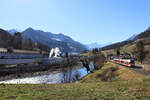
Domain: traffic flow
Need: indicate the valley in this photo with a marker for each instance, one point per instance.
(93, 70)
(74, 50)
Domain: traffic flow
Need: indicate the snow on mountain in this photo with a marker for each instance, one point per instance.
(132, 37)
(93, 45)
(148, 29)
(54, 40)
(97, 45)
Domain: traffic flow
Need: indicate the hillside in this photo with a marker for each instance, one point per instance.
(53, 40)
(144, 36)
(46, 40)
(117, 45)
(5, 38)
(126, 85)
(130, 46)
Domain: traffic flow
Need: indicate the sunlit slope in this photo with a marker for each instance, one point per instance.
(126, 85)
(129, 48)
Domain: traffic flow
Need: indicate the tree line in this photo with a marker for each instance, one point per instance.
(140, 51)
(16, 41)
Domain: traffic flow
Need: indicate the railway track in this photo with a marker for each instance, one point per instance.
(137, 69)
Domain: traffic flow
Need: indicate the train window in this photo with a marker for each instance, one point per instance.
(132, 62)
(126, 62)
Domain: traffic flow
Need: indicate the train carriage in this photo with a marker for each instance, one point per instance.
(125, 62)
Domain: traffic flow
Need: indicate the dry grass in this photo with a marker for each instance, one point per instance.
(127, 85)
(122, 73)
(108, 52)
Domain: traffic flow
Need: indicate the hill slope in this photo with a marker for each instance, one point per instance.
(144, 36)
(5, 38)
(130, 46)
(53, 40)
(127, 85)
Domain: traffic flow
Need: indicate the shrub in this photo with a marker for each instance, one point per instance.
(140, 51)
(108, 74)
(99, 61)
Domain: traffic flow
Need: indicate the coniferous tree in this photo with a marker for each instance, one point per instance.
(118, 51)
(140, 55)
(17, 40)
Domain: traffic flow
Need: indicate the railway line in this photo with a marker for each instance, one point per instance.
(137, 68)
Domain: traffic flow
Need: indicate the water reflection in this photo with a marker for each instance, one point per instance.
(72, 75)
(66, 75)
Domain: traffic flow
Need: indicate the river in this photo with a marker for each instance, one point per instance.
(67, 75)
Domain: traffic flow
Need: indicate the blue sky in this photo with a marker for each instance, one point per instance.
(85, 21)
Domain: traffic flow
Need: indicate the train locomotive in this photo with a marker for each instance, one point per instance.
(125, 62)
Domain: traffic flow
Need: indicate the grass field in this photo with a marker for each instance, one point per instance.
(112, 82)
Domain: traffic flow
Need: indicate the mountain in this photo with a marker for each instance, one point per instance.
(5, 38)
(13, 31)
(132, 37)
(148, 29)
(143, 36)
(53, 40)
(4, 34)
(93, 45)
(129, 46)
(120, 44)
(116, 45)
(96, 45)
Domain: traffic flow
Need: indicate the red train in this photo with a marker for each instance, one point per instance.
(125, 62)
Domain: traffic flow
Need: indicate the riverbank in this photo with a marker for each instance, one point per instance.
(19, 71)
(24, 70)
(112, 82)
(19, 75)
